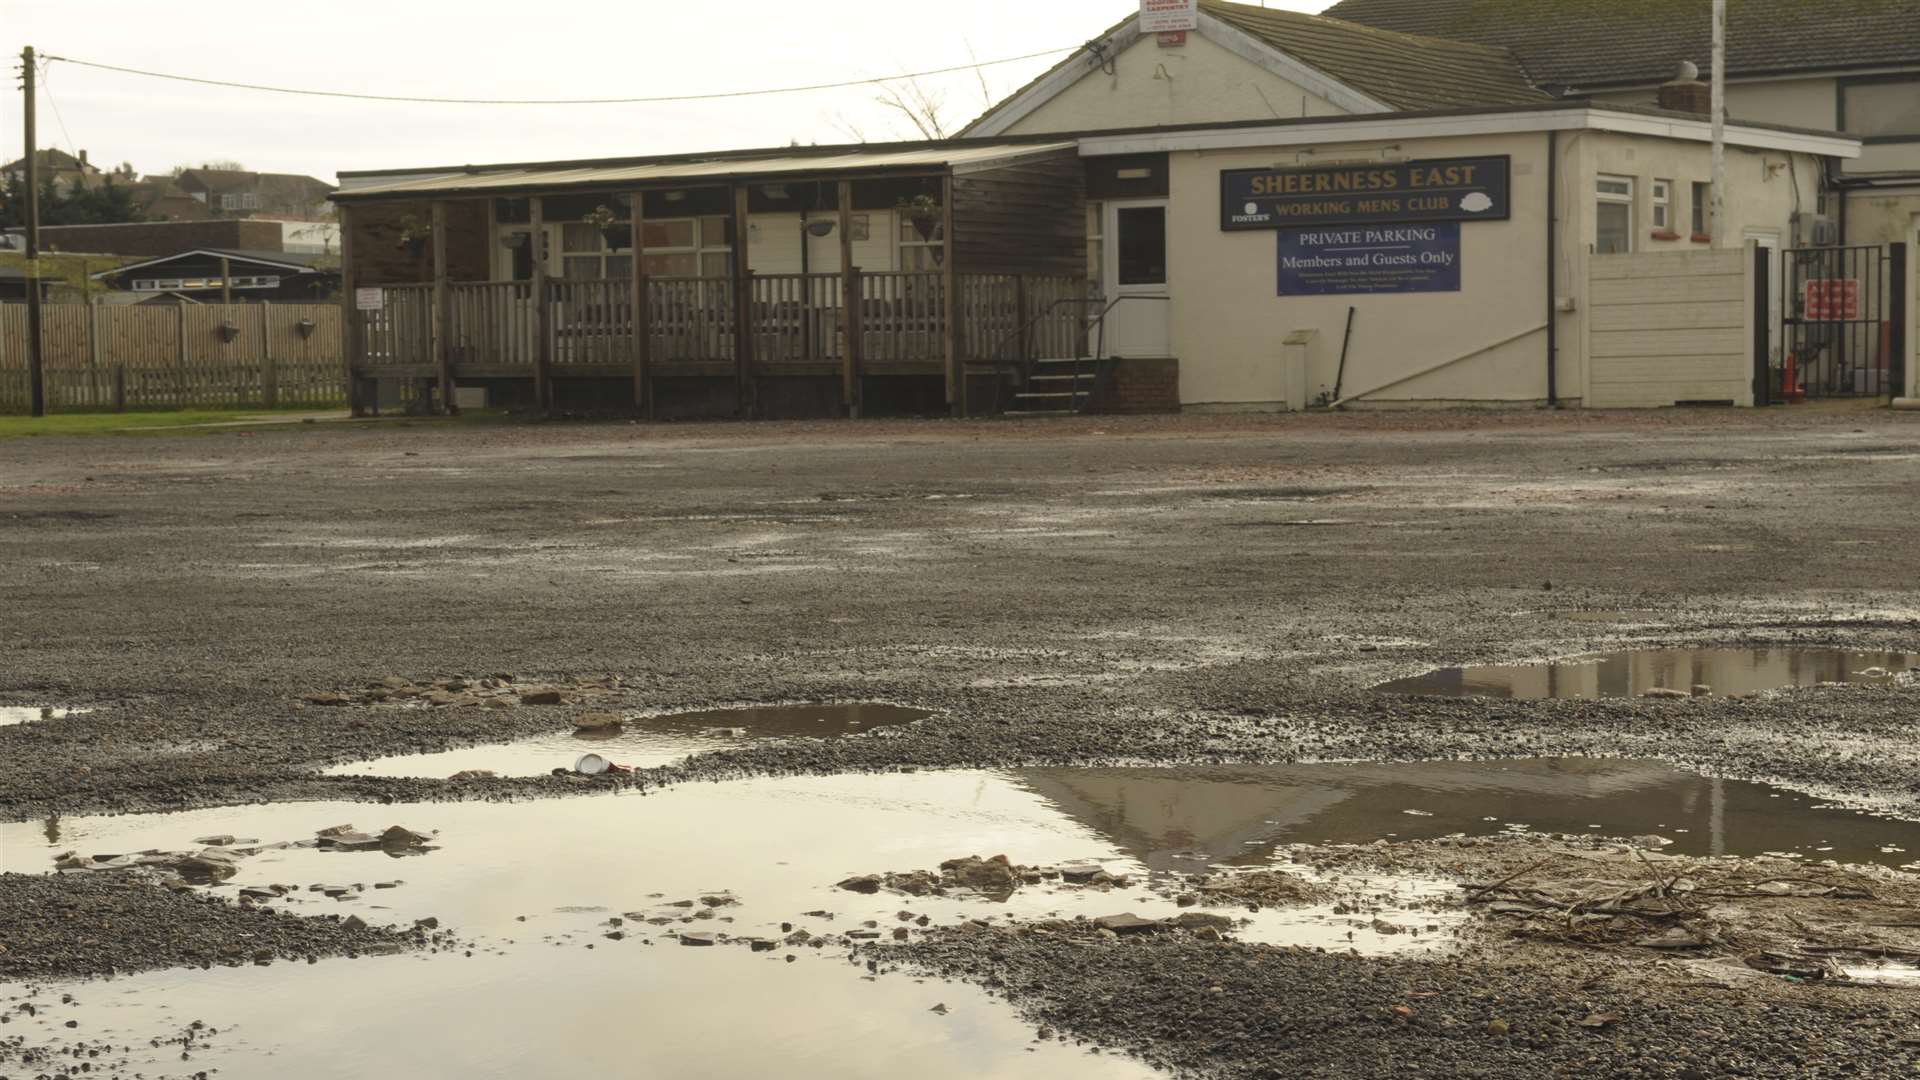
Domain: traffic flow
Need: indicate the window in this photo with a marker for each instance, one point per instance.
(1663, 205)
(1881, 109)
(1143, 244)
(688, 247)
(1096, 246)
(229, 202)
(1613, 215)
(1702, 211)
(918, 250)
(249, 201)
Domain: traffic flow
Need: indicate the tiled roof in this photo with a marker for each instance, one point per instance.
(1584, 43)
(1403, 71)
(1406, 71)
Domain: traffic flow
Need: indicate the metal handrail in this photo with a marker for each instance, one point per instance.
(1098, 323)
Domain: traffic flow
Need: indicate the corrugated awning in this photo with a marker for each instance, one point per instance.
(512, 179)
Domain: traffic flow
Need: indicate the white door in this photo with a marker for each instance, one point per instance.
(1136, 279)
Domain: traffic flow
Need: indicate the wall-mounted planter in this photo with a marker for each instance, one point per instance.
(228, 331)
(304, 328)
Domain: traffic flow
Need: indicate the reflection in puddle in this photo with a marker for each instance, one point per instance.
(534, 886)
(1634, 673)
(644, 742)
(1184, 818)
(22, 714)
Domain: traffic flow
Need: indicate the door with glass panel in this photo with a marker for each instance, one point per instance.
(1135, 280)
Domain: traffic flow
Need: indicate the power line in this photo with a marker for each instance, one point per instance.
(562, 101)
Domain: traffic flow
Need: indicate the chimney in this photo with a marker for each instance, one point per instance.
(83, 159)
(1686, 93)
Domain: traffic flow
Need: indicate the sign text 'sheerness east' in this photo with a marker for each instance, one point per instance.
(1453, 189)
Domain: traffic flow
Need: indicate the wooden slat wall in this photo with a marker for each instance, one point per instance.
(1027, 217)
(690, 319)
(140, 363)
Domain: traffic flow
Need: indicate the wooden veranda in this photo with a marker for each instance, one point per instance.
(1001, 281)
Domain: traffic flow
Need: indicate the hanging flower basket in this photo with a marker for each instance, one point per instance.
(618, 234)
(414, 234)
(924, 212)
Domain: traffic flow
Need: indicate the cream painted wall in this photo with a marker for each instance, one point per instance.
(1228, 322)
(773, 244)
(1881, 217)
(1807, 103)
(1198, 81)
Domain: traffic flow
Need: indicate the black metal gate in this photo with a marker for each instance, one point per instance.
(1844, 321)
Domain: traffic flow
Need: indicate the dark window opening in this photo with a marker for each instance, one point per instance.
(1142, 244)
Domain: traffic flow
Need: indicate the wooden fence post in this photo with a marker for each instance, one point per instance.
(642, 325)
(120, 387)
(349, 323)
(269, 369)
(542, 312)
(742, 306)
(849, 306)
(442, 321)
(956, 390)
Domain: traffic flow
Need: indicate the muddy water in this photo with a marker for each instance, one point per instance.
(1633, 673)
(25, 714)
(1239, 815)
(547, 993)
(644, 742)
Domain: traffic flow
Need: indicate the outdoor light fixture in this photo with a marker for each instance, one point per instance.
(675, 196)
(774, 191)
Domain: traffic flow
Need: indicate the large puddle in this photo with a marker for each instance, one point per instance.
(534, 885)
(1636, 673)
(26, 714)
(643, 742)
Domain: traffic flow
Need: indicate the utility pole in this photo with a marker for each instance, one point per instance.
(36, 387)
(1719, 106)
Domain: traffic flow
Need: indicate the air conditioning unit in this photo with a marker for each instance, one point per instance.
(1815, 230)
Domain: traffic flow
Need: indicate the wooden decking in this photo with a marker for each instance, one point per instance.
(789, 325)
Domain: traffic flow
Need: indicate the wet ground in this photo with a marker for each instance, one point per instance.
(1079, 607)
(572, 912)
(1690, 672)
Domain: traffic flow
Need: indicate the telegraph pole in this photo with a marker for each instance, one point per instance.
(36, 387)
(1719, 106)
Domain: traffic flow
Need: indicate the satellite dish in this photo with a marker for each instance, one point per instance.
(1688, 72)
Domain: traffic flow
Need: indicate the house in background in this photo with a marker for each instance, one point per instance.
(219, 275)
(67, 171)
(1851, 67)
(14, 285)
(239, 193)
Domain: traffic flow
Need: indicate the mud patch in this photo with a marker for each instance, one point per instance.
(644, 741)
(1725, 672)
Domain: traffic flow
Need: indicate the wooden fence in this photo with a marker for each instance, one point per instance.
(176, 356)
(795, 321)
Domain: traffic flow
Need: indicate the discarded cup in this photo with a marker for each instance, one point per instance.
(594, 765)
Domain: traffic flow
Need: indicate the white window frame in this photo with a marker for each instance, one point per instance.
(249, 201)
(1663, 205)
(702, 245)
(902, 228)
(1601, 197)
(229, 201)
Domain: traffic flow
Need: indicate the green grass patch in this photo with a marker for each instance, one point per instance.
(144, 423)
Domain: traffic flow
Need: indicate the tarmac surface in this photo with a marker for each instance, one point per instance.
(1085, 591)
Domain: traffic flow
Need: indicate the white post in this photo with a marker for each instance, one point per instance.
(1716, 221)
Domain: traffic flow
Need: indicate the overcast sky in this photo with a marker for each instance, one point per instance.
(495, 49)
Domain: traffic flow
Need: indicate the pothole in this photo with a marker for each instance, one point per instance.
(581, 912)
(27, 714)
(1660, 673)
(643, 742)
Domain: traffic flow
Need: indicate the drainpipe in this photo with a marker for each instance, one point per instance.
(1553, 260)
